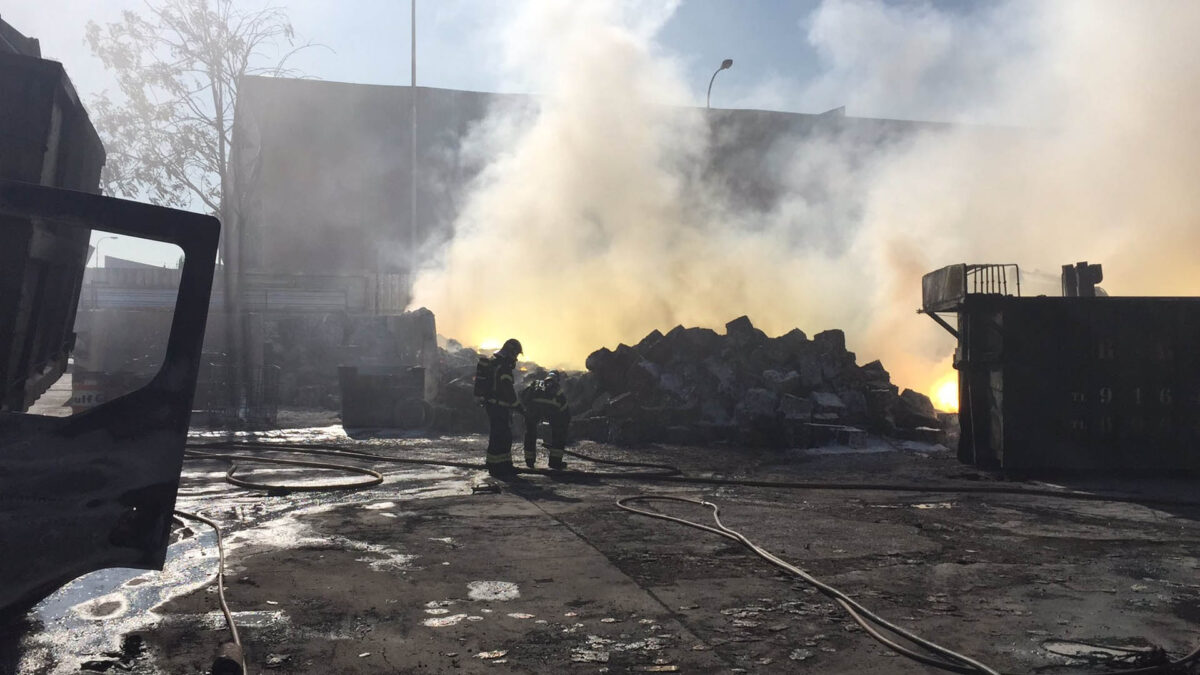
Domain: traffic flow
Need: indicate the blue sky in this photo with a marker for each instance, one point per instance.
(368, 40)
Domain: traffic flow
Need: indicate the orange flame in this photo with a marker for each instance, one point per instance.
(945, 393)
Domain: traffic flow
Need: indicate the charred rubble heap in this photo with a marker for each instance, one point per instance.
(696, 386)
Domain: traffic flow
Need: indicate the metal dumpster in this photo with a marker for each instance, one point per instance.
(1074, 383)
(45, 139)
(384, 396)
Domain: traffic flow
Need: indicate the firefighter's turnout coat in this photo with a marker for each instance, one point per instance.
(544, 400)
(494, 381)
(494, 389)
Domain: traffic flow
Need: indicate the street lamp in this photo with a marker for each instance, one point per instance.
(96, 247)
(727, 63)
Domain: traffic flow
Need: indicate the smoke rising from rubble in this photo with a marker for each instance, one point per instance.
(1075, 138)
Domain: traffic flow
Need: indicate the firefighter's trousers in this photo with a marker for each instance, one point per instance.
(499, 450)
(559, 421)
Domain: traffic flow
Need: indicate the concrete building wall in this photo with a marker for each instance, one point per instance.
(322, 170)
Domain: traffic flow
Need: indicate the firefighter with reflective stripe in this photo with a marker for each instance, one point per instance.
(494, 389)
(544, 400)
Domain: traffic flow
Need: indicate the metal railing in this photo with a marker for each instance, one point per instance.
(992, 279)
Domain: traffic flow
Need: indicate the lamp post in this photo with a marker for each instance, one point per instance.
(726, 64)
(96, 248)
(412, 223)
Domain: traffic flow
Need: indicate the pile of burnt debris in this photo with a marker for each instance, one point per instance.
(696, 386)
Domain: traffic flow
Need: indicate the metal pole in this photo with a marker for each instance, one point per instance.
(412, 229)
(96, 250)
(727, 63)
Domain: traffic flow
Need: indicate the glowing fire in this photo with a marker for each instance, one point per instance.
(945, 393)
(489, 345)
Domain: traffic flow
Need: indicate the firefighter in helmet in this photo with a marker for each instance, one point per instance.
(494, 389)
(544, 400)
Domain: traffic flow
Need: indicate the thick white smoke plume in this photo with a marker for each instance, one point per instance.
(1075, 137)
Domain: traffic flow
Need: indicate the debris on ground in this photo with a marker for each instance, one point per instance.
(697, 386)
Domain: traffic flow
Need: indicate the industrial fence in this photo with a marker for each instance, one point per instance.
(222, 400)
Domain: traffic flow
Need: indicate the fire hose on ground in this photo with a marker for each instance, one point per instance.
(889, 634)
(231, 659)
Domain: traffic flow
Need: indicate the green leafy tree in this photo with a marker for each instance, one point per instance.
(178, 65)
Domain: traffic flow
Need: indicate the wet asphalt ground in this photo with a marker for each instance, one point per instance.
(425, 574)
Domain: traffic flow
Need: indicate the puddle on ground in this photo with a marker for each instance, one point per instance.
(519, 615)
(333, 432)
(292, 478)
(444, 621)
(1088, 652)
(108, 606)
(254, 618)
(89, 615)
(589, 656)
(392, 561)
(493, 590)
(430, 472)
(288, 532)
(598, 649)
(448, 489)
(650, 644)
(933, 505)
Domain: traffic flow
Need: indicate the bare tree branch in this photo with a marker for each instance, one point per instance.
(178, 64)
